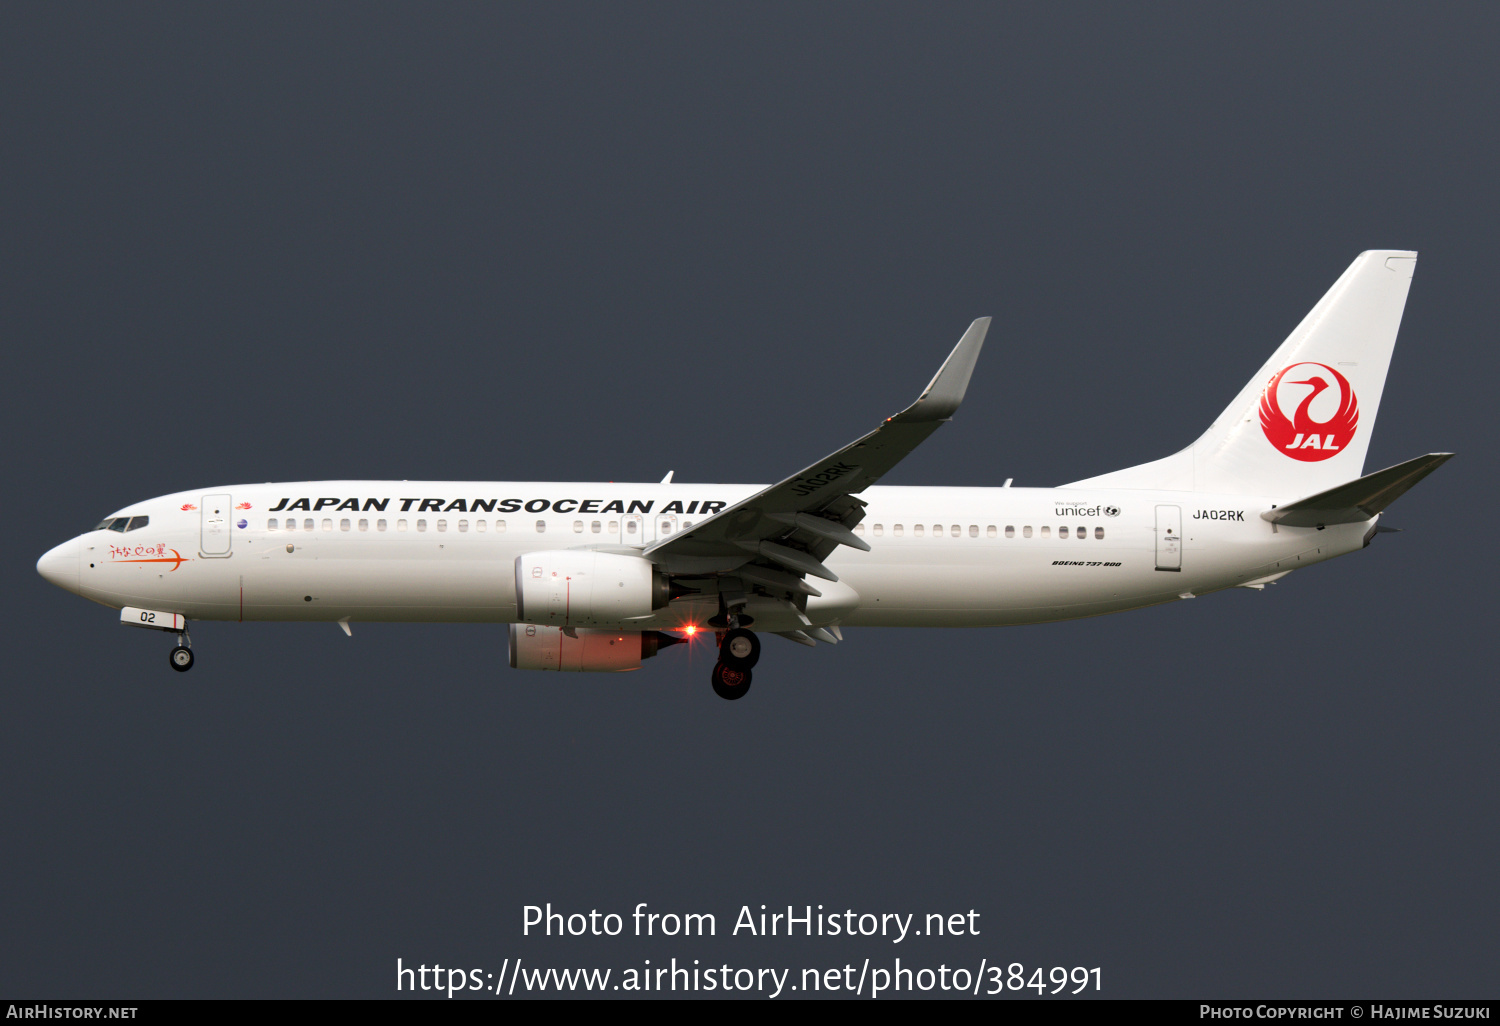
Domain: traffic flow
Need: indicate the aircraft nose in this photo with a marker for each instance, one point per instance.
(60, 565)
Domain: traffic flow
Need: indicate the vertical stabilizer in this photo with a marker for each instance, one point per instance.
(1303, 423)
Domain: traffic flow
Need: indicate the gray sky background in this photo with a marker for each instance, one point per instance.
(249, 242)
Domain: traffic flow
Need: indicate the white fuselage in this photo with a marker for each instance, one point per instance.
(445, 551)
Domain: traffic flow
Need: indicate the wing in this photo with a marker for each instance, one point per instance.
(781, 533)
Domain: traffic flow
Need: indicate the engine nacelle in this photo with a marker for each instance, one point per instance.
(572, 587)
(548, 648)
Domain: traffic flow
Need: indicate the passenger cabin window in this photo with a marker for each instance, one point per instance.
(990, 531)
(364, 525)
(1046, 532)
(1062, 532)
(421, 525)
(463, 525)
(1026, 531)
(442, 525)
(271, 524)
(1081, 532)
(1010, 530)
(344, 524)
(630, 527)
(479, 526)
(595, 527)
(307, 525)
(879, 530)
(380, 525)
(541, 527)
(1099, 533)
(916, 529)
(937, 530)
(614, 527)
(896, 530)
(327, 524)
(956, 530)
(499, 526)
(859, 528)
(974, 530)
(401, 525)
(578, 527)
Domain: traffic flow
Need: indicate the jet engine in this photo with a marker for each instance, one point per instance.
(578, 586)
(584, 649)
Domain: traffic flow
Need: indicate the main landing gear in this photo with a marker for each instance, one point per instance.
(730, 684)
(181, 657)
(739, 650)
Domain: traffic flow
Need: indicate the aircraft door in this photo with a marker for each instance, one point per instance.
(1169, 538)
(216, 515)
(632, 530)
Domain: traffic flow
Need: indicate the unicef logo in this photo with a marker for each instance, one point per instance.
(1111, 511)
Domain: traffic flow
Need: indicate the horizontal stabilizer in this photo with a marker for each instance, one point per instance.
(1359, 500)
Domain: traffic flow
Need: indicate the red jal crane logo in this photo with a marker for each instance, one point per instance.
(1299, 436)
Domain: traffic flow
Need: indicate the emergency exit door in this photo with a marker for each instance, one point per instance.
(1169, 538)
(215, 514)
(632, 529)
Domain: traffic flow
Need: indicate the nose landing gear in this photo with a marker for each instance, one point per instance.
(181, 657)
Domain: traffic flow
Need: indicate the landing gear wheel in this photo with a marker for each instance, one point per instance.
(181, 658)
(740, 649)
(730, 684)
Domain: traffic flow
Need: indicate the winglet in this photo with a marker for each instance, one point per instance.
(943, 394)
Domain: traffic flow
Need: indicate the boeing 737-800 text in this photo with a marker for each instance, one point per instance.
(601, 576)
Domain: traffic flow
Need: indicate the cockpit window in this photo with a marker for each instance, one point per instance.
(122, 524)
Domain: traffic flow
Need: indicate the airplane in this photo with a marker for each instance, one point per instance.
(600, 577)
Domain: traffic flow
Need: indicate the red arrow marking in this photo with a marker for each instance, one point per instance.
(176, 558)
